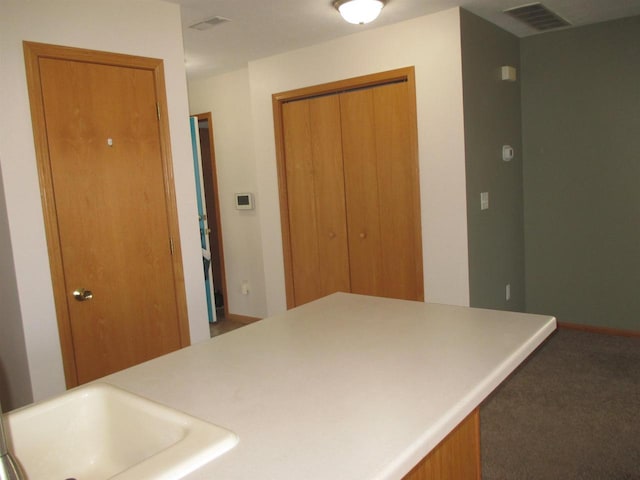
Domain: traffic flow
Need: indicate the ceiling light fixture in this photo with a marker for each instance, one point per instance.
(359, 11)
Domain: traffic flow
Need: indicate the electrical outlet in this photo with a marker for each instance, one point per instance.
(507, 292)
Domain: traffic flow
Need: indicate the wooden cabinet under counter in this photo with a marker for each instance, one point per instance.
(457, 457)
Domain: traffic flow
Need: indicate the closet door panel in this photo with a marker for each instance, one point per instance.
(326, 147)
(300, 196)
(315, 195)
(398, 188)
(362, 197)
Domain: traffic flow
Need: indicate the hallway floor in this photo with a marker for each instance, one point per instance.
(223, 325)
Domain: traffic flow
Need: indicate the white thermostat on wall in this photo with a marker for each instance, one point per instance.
(244, 201)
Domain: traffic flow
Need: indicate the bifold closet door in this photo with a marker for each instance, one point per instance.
(316, 198)
(382, 191)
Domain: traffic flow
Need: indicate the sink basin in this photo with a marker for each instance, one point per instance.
(99, 431)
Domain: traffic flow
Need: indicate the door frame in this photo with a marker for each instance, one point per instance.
(406, 74)
(33, 52)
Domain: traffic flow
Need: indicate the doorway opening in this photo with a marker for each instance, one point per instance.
(212, 203)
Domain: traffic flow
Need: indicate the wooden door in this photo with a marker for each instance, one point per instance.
(315, 189)
(381, 177)
(107, 181)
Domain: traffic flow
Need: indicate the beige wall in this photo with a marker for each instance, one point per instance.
(432, 45)
(132, 27)
(227, 98)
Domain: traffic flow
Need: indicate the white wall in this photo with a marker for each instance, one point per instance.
(131, 27)
(431, 44)
(15, 381)
(227, 98)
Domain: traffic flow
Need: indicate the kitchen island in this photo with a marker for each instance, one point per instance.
(347, 387)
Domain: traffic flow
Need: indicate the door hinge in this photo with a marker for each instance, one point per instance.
(158, 110)
(171, 247)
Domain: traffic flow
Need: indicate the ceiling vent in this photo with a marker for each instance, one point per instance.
(537, 16)
(210, 23)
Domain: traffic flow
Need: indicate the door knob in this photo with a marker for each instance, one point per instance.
(82, 295)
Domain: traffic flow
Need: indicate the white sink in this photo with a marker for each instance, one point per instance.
(102, 432)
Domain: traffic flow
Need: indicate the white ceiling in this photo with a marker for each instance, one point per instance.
(260, 28)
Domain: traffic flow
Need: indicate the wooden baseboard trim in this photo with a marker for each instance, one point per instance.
(602, 330)
(242, 318)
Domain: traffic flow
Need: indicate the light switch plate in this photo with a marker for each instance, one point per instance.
(484, 200)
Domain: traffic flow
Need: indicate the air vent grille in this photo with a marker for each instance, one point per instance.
(210, 23)
(537, 16)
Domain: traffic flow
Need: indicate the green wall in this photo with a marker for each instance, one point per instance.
(491, 119)
(581, 133)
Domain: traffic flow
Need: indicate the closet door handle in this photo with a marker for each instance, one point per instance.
(82, 295)
(332, 235)
(363, 235)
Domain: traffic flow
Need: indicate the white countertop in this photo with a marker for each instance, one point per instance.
(346, 387)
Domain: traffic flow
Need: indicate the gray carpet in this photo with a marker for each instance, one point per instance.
(572, 411)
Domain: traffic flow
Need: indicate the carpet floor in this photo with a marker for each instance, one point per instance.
(572, 411)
